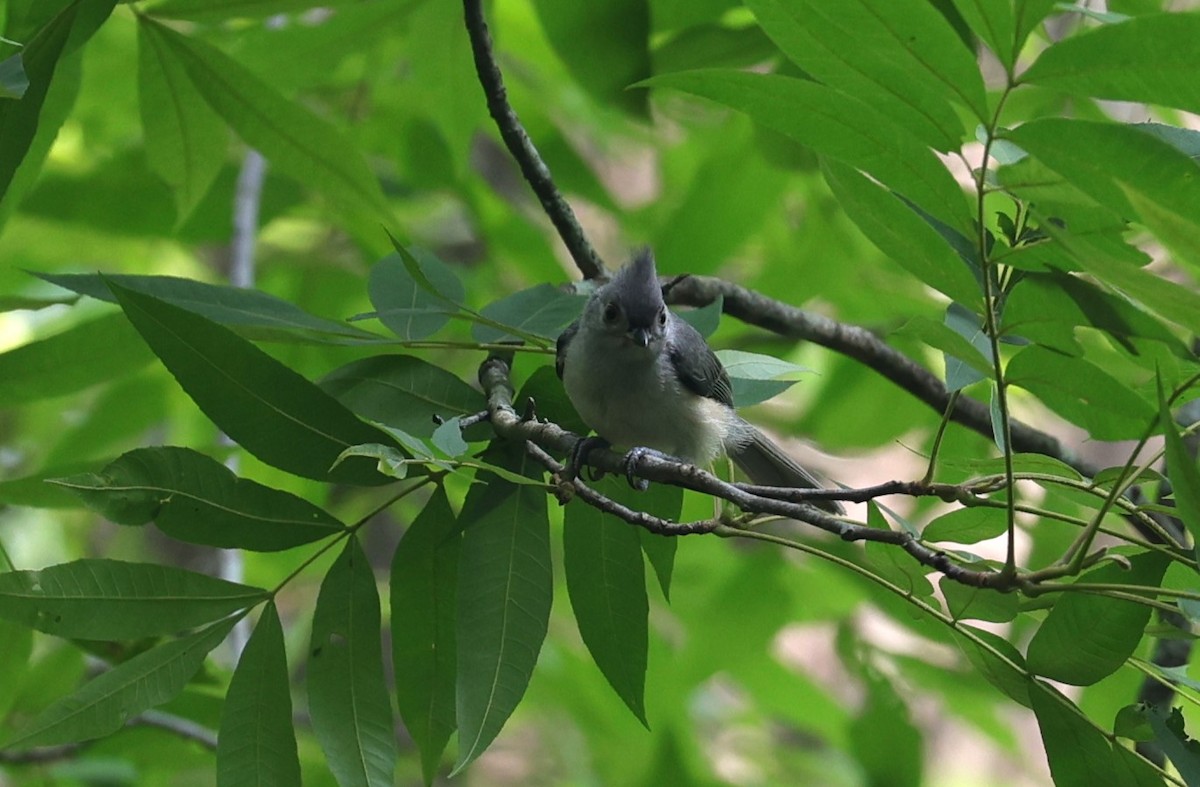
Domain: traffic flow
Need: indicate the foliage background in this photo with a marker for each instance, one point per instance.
(763, 667)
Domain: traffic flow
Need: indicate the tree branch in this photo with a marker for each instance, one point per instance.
(517, 140)
(494, 377)
(860, 344)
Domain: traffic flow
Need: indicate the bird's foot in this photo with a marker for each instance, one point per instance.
(579, 455)
(634, 458)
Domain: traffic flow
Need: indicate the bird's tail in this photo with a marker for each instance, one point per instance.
(766, 464)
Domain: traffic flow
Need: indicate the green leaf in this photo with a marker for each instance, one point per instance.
(757, 378)
(1184, 752)
(1181, 468)
(347, 695)
(186, 142)
(992, 21)
(967, 525)
(1086, 637)
(885, 717)
(504, 589)
(965, 360)
(1079, 754)
(900, 56)
(114, 600)
(106, 703)
(604, 65)
(606, 581)
(195, 498)
(543, 310)
(296, 141)
(89, 353)
(704, 319)
(424, 578)
(253, 313)
(225, 10)
(1109, 162)
(33, 490)
(1081, 392)
(997, 661)
(1150, 59)
(837, 126)
(892, 563)
(414, 308)
(901, 233)
(19, 120)
(270, 410)
(968, 603)
(257, 743)
(402, 391)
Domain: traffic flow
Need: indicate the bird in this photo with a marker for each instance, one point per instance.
(645, 380)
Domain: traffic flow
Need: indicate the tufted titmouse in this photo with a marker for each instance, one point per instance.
(643, 378)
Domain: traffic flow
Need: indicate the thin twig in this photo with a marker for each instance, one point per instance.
(533, 168)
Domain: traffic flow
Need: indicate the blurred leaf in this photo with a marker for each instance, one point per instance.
(14, 663)
(704, 319)
(107, 702)
(10, 303)
(1086, 637)
(543, 310)
(186, 142)
(13, 79)
(606, 581)
(114, 600)
(424, 576)
(504, 588)
(254, 313)
(733, 191)
(257, 743)
(901, 57)
(270, 410)
(298, 142)
(89, 353)
(968, 603)
(885, 717)
(1079, 754)
(195, 498)
(347, 695)
(1180, 468)
(838, 126)
(1146, 59)
(710, 46)
(900, 232)
(1081, 392)
(19, 120)
(409, 307)
(967, 525)
(402, 391)
(604, 65)
(223, 10)
(1185, 140)
(34, 491)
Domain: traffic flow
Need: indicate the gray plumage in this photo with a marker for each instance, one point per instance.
(642, 377)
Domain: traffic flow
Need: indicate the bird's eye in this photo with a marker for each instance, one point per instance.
(611, 312)
(662, 317)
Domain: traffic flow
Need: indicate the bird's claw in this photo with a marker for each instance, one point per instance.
(632, 459)
(579, 455)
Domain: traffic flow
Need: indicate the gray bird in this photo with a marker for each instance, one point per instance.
(643, 378)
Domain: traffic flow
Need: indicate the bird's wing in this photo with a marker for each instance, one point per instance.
(695, 364)
(560, 348)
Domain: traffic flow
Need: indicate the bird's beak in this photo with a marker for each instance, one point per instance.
(640, 336)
